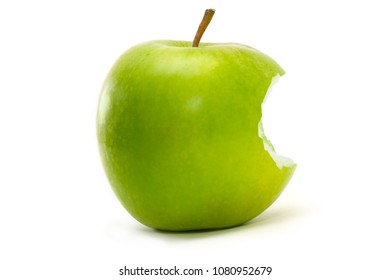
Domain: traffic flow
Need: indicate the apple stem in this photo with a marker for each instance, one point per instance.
(208, 15)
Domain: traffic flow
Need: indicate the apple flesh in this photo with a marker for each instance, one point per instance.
(178, 132)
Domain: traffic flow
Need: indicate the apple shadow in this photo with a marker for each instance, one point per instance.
(271, 217)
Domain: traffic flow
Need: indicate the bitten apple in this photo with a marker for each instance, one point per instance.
(180, 135)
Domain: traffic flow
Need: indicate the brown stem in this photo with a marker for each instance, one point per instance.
(208, 15)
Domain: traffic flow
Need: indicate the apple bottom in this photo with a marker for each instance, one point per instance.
(197, 194)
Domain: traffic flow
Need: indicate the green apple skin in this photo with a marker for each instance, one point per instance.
(178, 134)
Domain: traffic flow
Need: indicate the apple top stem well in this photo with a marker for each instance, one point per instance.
(208, 15)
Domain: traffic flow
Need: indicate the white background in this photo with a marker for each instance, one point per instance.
(59, 217)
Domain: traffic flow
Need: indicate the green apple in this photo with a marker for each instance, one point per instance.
(180, 135)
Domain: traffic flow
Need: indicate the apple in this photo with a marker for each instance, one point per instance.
(180, 134)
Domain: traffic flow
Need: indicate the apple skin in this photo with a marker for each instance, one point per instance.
(178, 135)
